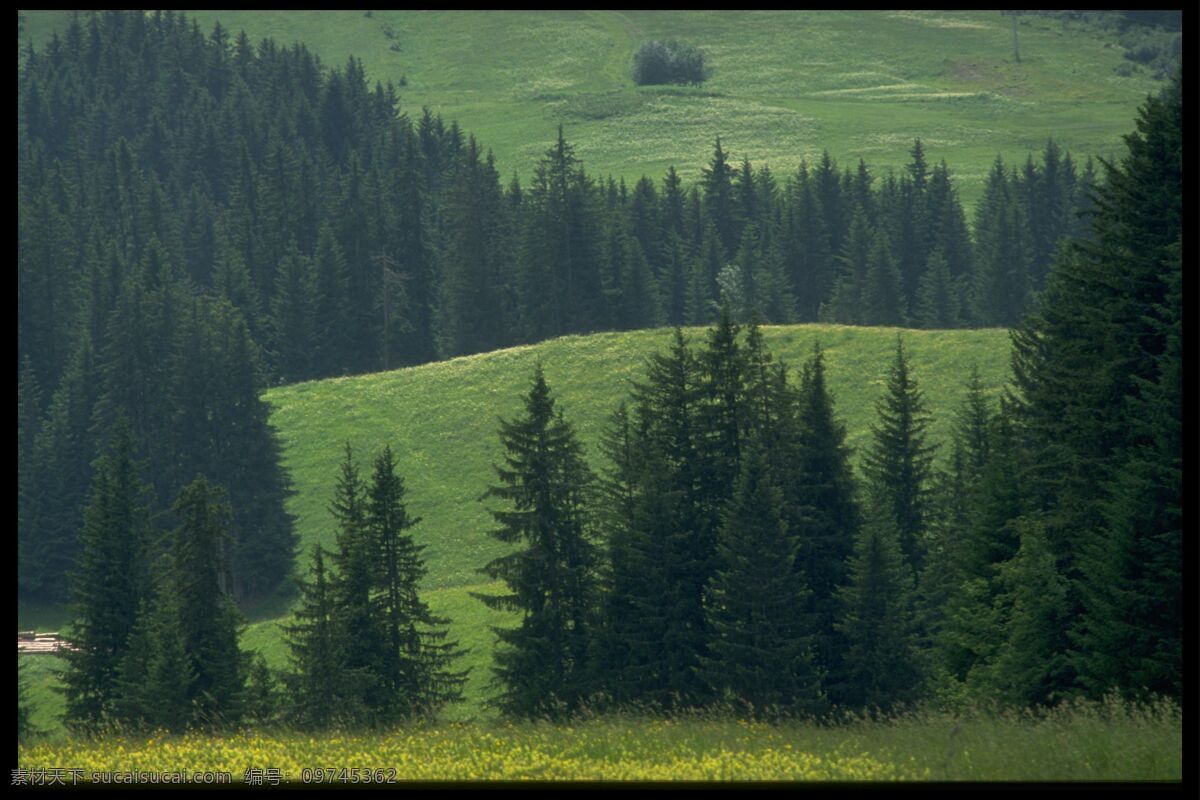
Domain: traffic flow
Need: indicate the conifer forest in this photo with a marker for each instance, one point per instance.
(894, 492)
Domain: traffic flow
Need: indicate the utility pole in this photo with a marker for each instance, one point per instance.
(1016, 48)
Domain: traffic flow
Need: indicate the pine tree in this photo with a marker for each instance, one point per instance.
(1001, 253)
(879, 669)
(717, 182)
(761, 649)
(356, 620)
(937, 295)
(416, 659)
(208, 621)
(882, 299)
(60, 474)
(822, 488)
(808, 260)
(954, 586)
(156, 677)
(108, 585)
(846, 301)
(899, 462)
(1031, 666)
(707, 264)
(332, 313)
(317, 653)
(541, 666)
(1101, 350)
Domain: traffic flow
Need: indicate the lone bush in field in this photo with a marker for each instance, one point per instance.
(668, 62)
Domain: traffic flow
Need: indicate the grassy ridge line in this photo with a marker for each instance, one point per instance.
(441, 419)
(785, 84)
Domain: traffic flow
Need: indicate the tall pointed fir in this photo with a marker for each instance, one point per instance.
(882, 296)
(416, 658)
(355, 617)
(1002, 253)
(315, 682)
(957, 571)
(666, 539)
(108, 585)
(880, 667)
(1032, 665)
(899, 462)
(760, 648)
(845, 303)
(541, 665)
(719, 204)
(208, 621)
(1102, 349)
(156, 677)
(937, 295)
(824, 492)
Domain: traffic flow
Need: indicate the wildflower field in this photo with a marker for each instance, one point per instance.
(1085, 742)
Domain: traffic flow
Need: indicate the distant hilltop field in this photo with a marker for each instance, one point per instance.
(782, 86)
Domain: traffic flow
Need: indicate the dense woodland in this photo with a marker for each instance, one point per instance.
(199, 216)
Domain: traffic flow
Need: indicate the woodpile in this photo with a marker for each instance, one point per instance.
(33, 643)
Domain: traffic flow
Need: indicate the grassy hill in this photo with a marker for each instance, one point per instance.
(441, 421)
(784, 85)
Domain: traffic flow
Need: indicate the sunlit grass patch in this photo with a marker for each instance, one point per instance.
(511, 77)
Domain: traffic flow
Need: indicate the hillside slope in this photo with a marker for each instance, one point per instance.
(441, 421)
(784, 84)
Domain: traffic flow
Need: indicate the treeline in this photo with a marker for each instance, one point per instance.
(353, 238)
(730, 558)
(155, 633)
(199, 215)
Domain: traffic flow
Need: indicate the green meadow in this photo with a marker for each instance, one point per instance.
(441, 421)
(784, 86)
(1108, 741)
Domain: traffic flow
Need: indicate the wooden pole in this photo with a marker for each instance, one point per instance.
(1016, 48)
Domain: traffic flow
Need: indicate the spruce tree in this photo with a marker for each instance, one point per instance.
(880, 667)
(1102, 350)
(719, 203)
(1032, 664)
(937, 295)
(1002, 253)
(415, 656)
(208, 621)
(356, 620)
(845, 304)
(316, 681)
(108, 585)
(882, 293)
(898, 464)
(541, 665)
(823, 491)
(156, 678)
(761, 650)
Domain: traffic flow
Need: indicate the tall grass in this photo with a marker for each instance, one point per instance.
(1107, 741)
